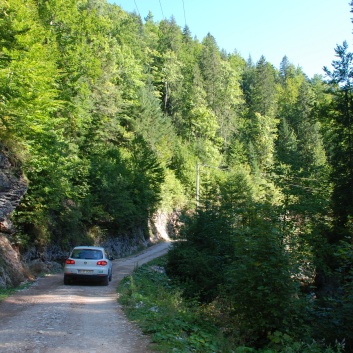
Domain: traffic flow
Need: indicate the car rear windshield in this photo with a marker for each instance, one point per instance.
(87, 254)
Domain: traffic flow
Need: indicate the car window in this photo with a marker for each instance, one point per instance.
(87, 254)
(76, 254)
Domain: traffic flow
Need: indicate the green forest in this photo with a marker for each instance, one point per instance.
(112, 118)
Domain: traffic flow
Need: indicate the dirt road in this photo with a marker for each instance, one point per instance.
(50, 317)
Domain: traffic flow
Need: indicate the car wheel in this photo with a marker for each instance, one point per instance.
(111, 275)
(66, 280)
(105, 281)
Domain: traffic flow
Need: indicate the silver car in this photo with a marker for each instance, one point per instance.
(88, 263)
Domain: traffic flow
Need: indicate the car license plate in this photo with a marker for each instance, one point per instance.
(85, 271)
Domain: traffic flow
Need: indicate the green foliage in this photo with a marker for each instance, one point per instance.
(6, 292)
(200, 261)
(341, 129)
(155, 127)
(264, 89)
(236, 255)
(260, 285)
(126, 185)
(332, 312)
(244, 267)
(172, 193)
(281, 342)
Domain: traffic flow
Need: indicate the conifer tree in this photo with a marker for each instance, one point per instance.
(342, 138)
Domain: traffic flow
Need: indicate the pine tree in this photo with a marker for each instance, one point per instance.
(342, 138)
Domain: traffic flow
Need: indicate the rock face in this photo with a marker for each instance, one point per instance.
(12, 188)
(12, 271)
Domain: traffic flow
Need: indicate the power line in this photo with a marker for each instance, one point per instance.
(184, 13)
(161, 8)
(137, 8)
(160, 4)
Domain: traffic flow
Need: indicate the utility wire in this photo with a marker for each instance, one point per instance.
(184, 13)
(161, 8)
(137, 8)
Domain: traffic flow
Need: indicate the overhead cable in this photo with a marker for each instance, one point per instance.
(137, 8)
(184, 13)
(161, 8)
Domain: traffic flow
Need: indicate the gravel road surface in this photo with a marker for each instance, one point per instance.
(50, 317)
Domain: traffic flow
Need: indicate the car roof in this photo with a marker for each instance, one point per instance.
(89, 247)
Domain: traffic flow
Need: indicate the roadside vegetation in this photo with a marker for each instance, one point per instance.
(158, 306)
(6, 292)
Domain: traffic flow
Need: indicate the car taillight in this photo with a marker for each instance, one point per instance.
(102, 263)
(70, 262)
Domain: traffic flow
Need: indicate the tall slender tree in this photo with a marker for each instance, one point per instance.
(341, 80)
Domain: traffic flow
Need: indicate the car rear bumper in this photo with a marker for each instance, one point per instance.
(85, 277)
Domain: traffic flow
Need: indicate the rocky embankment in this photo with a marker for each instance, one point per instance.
(12, 188)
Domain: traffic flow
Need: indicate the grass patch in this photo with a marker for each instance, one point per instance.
(6, 292)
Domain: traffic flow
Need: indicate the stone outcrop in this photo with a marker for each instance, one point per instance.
(12, 188)
(12, 271)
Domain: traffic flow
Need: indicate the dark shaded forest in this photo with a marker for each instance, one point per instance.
(112, 118)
